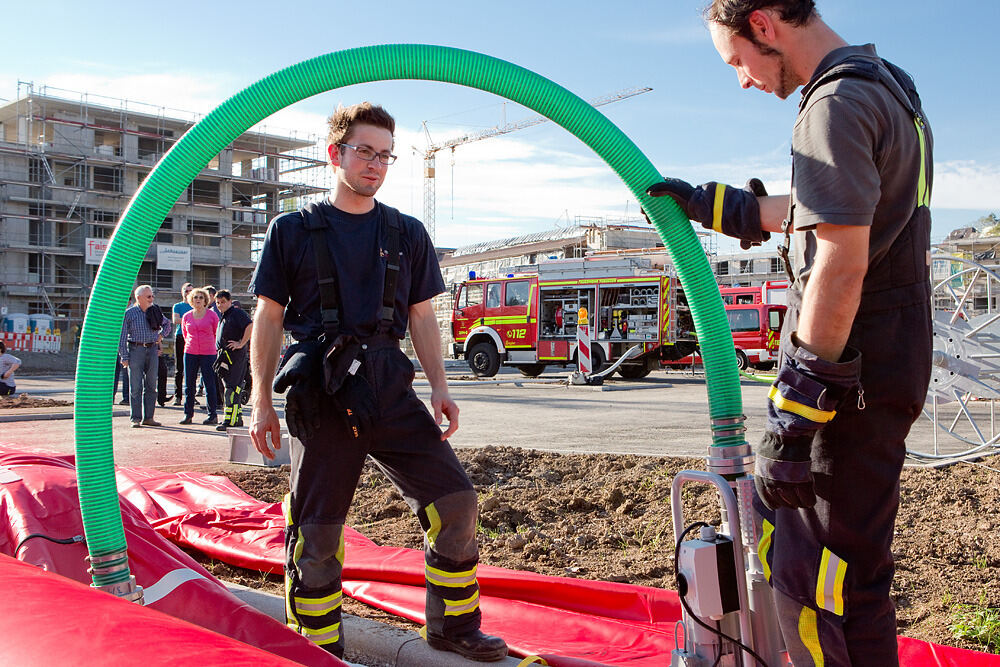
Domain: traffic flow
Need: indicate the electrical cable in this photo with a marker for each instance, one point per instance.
(69, 540)
(682, 594)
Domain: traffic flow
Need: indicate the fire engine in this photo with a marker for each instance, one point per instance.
(756, 329)
(529, 320)
(773, 291)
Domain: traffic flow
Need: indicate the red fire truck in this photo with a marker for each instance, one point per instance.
(773, 291)
(756, 329)
(529, 320)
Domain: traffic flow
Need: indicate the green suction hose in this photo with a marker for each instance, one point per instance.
(178, 168)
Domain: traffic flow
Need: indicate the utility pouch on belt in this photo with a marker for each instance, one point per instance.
(300, 365)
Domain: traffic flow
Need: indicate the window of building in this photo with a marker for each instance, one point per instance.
(205, 275)
(722, 269)
(517, 293)
(36, 170)
(205, 192)
(206, 233)
(150, 275)
(746, 266)
(776, 266)
(108, 179)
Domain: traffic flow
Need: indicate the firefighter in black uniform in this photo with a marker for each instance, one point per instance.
(232, 339)
(856, 346)
(346, 277)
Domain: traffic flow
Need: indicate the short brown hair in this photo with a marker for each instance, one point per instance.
(735, 14)
(342, 121)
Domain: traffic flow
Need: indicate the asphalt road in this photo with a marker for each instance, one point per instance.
(663, 414)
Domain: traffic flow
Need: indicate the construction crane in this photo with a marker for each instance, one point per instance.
(506, 128)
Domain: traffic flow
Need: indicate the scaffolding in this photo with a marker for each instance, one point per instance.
(69, 164)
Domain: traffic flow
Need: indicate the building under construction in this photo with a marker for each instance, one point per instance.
(69, 164)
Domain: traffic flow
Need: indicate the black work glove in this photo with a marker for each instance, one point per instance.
(301, 369)
(737, 215)
(804, 397)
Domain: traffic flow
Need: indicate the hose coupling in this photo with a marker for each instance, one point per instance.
(734, 458)
(114, 566)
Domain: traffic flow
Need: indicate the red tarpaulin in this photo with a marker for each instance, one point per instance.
(570, 622)
(38, 495)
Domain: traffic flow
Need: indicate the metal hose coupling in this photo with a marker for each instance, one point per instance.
(114, 567)
(732, 459)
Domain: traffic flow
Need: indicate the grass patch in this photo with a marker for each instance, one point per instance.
(977, 624)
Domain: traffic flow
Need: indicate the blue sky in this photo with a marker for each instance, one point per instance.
(696, 124)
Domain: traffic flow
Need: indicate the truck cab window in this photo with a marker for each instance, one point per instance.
(517, 293)
(472, 295)
(774, 318)
(493, 295)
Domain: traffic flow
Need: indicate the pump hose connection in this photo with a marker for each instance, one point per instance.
(178, 168)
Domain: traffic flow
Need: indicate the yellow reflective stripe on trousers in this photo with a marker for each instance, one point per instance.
(324, 635)
(764, 546)
(720, 198)
(434, 519)
(318, 606)
(810, 413)
(830, 583)
(809, 635)
(923, 195)
(460, 607)
(532, 660)
(450, 579)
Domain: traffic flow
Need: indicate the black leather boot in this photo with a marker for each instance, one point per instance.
(474, 645)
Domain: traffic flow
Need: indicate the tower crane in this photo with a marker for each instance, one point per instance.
(506, 128)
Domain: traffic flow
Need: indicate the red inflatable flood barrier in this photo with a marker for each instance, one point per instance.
(38, 495)
(569, 622)
(62, 622)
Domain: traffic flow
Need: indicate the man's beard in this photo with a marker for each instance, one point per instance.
(786, 80)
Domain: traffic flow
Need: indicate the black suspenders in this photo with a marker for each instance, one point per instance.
(902, 88)
(316, 223)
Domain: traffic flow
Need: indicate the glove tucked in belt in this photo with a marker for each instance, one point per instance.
(301, 372)
(805, 396)
(720, 207)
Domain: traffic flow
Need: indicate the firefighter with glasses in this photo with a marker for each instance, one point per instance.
(346, 277)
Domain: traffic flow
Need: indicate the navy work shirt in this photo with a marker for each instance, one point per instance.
(286, 272)
(232, 326)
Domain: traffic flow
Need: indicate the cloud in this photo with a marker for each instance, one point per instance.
(966, 184)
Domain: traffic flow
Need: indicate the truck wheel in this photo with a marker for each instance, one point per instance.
(741, 360)
(634, 372)
(764, 366)
(531, 370)
(484, 360)
(597, 358)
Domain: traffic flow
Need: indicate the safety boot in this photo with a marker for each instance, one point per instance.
(474, 645)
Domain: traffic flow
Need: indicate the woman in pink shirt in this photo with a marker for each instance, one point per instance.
(198, 327)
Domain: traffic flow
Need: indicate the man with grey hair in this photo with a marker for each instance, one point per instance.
(144, 327)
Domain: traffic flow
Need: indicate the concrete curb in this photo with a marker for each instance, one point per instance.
(44, 416)
(370, 640)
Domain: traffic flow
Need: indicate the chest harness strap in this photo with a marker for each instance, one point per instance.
(329, 296)
(899, 83)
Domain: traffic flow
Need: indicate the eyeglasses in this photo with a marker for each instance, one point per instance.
(367, 154)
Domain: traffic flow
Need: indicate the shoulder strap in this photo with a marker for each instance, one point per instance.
(316, 224)
(392, 220)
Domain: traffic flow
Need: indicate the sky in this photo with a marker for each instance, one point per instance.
(696, 124)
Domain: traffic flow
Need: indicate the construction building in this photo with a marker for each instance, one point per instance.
(70, 163)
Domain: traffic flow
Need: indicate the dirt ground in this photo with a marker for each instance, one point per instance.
(28, 401)
(607, 517)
